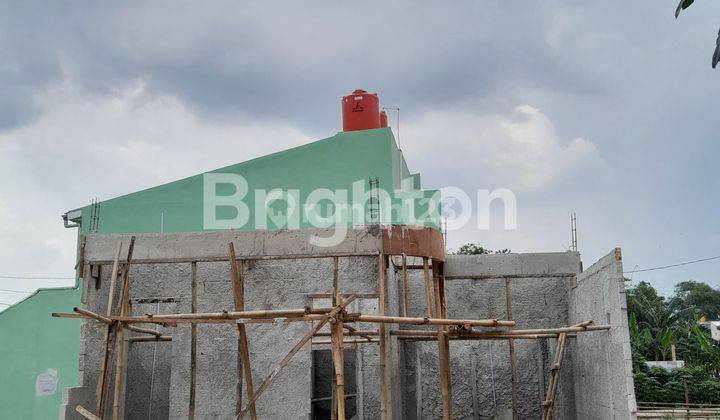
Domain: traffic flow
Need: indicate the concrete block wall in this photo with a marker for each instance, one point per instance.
(595, 378)
(480, 370)
(603, 362)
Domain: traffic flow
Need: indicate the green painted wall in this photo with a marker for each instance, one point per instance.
(31, 342)
(333, 163)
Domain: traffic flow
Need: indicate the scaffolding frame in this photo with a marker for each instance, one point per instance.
(117, 321)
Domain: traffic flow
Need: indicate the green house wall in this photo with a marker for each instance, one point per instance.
(32, 342)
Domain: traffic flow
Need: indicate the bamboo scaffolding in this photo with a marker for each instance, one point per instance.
(86, 413)
(100, 390)
(300, 344)
(434, 321)
(243, 359)
(443, 347)
(405, 303)
(333, 344)
(436, 309)
(428, 288)
(511, 350)
(384, 397)
(193, 342)
(338, 364)
(149, 339)
(547, 405)
(350, 341)
(120, 341)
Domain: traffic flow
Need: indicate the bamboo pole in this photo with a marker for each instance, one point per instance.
(268, 380)
(100, 390)
(349, 341)
(66, 315)
(142, 330)
(511, 348)
(333, 389)
(443, 350)
(547, 405)
(338, 365)
(405, 303)
(243, 362)
(193, 341)
(93, 315)
(428, 288)
(434, 321)
(171, 318)
(120, 337)
(149, 339)
(384, 397)
(86, 413)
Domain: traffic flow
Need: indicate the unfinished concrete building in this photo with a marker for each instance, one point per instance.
(186, 322)
(191, 370)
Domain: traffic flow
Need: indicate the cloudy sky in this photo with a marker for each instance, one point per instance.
(608, 109)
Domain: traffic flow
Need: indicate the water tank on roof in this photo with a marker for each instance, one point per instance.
(383, 119)
(360, 111)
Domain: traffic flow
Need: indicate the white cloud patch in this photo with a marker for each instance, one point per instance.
(88, 145)
(520, 150)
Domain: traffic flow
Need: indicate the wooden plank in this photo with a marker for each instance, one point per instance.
(86, 413)
(428, 288)
(384, 397)
(299, 345)
(243, 362)
(511, 347)
(443, 348)
(405, 304)
(193, 341)
(100, 390)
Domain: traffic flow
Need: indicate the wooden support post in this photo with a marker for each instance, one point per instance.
(307, 337)
(428, 288)
(100, 390)
(405, 304)
(384, 397)
(120, 335)
(243, 362)
(338, 367)
(193, 341)
(333, 389)
(443, 347)
(547, 405)
(511, 347)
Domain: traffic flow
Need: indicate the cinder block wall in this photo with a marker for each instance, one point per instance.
(596, 379)
(480, 370)
(602, 364)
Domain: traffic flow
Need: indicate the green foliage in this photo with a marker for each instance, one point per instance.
(655, 324)
(476, 249)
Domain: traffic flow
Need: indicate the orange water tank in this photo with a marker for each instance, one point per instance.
(360, 111)
(383, 119)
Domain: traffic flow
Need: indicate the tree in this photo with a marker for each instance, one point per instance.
(476, 249)
(704, 300)
(684, 4)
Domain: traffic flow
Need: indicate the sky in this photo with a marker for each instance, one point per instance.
(606, 109)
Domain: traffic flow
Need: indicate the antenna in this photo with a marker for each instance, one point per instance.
(573, 231)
